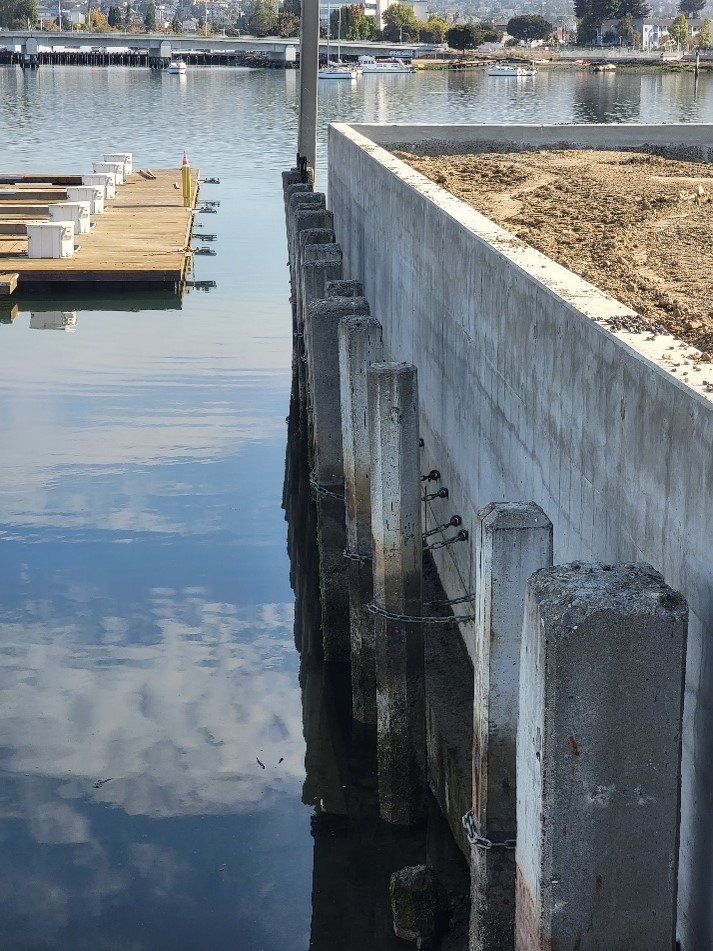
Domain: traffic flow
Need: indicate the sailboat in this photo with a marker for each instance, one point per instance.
(337, 70)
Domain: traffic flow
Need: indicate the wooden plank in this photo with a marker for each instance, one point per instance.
(8, 178)
(143, 236)
(8, 284)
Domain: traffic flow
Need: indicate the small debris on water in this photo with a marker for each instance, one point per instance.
(260, 763)
(100, 782)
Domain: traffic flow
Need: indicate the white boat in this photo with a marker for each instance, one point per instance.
(511, 69)
(333, 71)
(391, 64)
(338, 69)
(177, 66)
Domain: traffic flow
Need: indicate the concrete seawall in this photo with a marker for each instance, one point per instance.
(526, 394)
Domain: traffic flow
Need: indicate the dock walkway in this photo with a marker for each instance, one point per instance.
(141, 238)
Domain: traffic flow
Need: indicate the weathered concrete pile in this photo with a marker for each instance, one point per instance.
(571, 822)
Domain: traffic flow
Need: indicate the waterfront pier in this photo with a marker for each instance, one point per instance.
(141, 238)
(540, 404)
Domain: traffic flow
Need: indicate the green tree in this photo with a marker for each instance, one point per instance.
(128, 17)
(464, 36)
(625, 29)
(294, 7)
(114, 17)
(490, 33)
(150, 18)
(176, 24)
(263, 18)
(705, 34)
(678, 30)
(691, 8)
(18, 12)
(434, 30)
(591, 14)
(400, 24)
(529, 26)
(287, 24)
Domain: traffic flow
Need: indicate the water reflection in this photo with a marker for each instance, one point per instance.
(65, 320)
(354, 852)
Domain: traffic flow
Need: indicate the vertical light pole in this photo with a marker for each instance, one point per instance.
(309, 65)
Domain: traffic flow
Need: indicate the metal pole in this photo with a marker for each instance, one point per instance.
(309, 64)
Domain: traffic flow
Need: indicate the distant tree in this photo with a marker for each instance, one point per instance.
(609, 37)
(625, 29)
(400, 24)
(66, 23)
(287, 24)
(434, 30)
(150, 20)
(263, 18)
(294, 7)
(128, 16)
(678, 30)
(114, 18)
(464, 36)
(691, 8)
(529, 26)
(592, 13)
(176, 25)
(355, 24)
(490, 34)
(705, 35)
(98, 22)
(18, 12)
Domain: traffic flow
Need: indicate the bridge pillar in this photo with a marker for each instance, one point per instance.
(598, 759)
(30, 56)
(397, 546)
(160, 54)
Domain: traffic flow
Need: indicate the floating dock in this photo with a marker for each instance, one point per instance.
(141, 239)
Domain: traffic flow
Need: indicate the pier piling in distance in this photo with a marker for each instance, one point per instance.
(598, 759)
(514, 539)
(360, 345)
(397, 547)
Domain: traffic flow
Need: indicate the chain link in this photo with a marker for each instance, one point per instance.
(374, 608)
(322, 490)
(464, 600)
(462, 536)
(479, 841)
(454, 522)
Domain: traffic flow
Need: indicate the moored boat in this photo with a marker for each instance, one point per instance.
(177, 66)
(511, 69)
(391, 64)
(337, 71)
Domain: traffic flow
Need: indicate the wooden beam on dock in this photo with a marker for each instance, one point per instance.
(142, 237)
(8, 284)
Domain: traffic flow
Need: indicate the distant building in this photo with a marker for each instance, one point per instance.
(652, 33)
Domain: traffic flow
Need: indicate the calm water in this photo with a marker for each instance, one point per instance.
(156, 788)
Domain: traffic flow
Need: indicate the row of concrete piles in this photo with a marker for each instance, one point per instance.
(578, 668)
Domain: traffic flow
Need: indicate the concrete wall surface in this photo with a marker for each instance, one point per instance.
(527, 395)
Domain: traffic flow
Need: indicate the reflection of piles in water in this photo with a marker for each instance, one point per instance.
(54, 320)
(354, 851)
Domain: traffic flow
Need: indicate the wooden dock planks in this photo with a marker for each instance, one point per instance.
(140, 239)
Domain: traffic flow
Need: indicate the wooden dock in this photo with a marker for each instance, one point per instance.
(141, 239)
